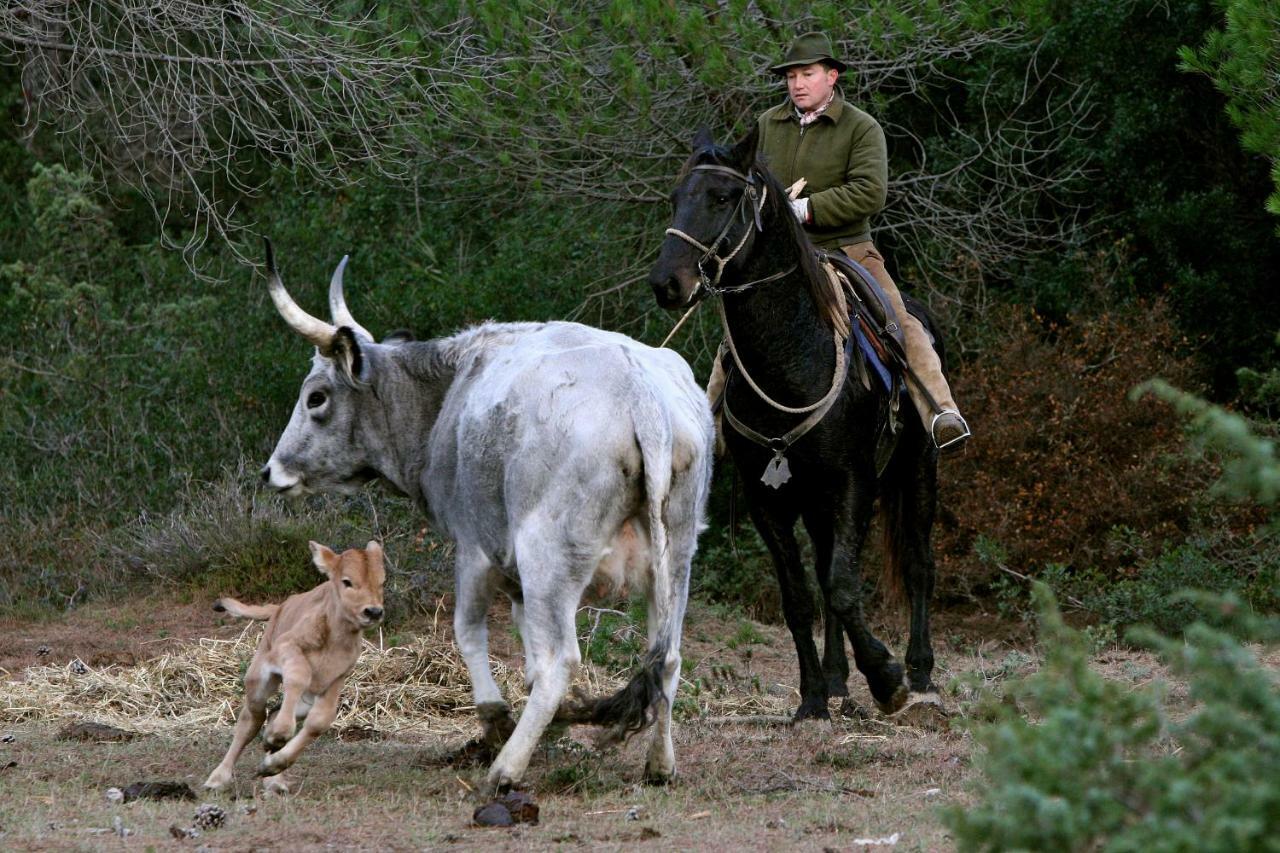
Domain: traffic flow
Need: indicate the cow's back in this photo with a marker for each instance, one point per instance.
(538, 414)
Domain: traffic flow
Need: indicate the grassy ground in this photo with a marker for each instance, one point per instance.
(817, 786)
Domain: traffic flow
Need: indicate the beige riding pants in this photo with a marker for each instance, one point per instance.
(921, 355)
(920, 352)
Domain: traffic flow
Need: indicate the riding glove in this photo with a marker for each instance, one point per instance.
(800, 207)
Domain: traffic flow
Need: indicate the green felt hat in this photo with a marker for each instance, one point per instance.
(807, 50)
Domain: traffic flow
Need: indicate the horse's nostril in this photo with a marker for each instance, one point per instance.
(266, 473)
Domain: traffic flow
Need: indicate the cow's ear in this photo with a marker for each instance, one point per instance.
(323, 557)
(347, 353)
(702, 139)
(743, 155)
(399, 336)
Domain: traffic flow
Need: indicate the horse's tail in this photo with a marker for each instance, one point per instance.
(909, 494)
(893, 525)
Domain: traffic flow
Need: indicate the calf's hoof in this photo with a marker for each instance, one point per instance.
(272, 765)
(276, 785)
(218, 780)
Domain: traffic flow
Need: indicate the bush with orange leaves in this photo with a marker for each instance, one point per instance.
(1064, 468)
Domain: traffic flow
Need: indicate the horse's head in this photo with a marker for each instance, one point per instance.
(716, 210)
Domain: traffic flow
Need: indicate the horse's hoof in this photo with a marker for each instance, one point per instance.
(811, 709)
(852, 710)
(895, 702)
(924, 711)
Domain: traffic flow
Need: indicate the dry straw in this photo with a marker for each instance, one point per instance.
(419, 688)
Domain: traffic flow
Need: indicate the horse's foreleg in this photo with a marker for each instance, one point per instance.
(850, 520)
(797, 606)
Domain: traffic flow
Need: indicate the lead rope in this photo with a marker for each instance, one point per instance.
(837, 378)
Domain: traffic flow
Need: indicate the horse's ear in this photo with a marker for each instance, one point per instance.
(702, 139)
(743, 155)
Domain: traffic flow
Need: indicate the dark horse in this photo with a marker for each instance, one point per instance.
(734, 236)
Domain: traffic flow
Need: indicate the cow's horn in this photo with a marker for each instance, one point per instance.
(338, 305)
(314, 330)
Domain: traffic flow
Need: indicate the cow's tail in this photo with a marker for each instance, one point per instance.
(261, 612)
(635, 707)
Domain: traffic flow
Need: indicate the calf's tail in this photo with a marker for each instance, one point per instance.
(261, 612)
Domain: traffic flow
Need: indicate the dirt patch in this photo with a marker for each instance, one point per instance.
(102, 634)
(746, 780)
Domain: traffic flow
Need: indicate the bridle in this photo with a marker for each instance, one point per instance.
(777, 471)
(756, 194)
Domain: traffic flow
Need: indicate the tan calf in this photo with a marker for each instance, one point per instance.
(310, 645)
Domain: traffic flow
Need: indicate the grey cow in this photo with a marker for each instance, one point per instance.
(557, 456)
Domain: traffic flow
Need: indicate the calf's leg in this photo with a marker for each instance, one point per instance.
(296, 675)
(318, 720)
(252, 713)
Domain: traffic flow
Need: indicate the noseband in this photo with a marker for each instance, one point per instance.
(711, 284)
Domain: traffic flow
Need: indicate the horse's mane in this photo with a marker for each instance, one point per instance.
(822, 290)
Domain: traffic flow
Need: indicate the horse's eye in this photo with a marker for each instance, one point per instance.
(346, 582)
(720, 198)
(315, 399)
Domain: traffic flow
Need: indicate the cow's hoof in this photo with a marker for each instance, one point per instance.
(924, 711)
(657, 775)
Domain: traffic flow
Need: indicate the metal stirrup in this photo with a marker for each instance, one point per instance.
(955, 441)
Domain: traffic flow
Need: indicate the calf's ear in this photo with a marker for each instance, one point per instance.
(324, 558)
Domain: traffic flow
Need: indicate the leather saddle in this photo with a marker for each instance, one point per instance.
(871, 306)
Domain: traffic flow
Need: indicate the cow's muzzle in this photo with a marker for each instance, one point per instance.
(275, 476)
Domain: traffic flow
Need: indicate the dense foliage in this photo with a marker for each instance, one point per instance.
(1078, 210)
(1102, 765)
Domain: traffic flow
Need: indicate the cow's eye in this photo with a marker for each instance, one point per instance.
(346, 582)
(315, 399)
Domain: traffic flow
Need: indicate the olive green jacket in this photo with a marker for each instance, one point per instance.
(842, 156)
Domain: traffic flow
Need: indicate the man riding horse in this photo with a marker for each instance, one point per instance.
(839, 152)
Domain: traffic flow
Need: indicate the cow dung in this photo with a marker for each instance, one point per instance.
(158, 791)
(95, 732)
(515, 807)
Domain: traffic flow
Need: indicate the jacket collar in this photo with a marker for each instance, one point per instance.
(787, 112)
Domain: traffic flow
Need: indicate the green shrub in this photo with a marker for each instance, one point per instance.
(1100, 765)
